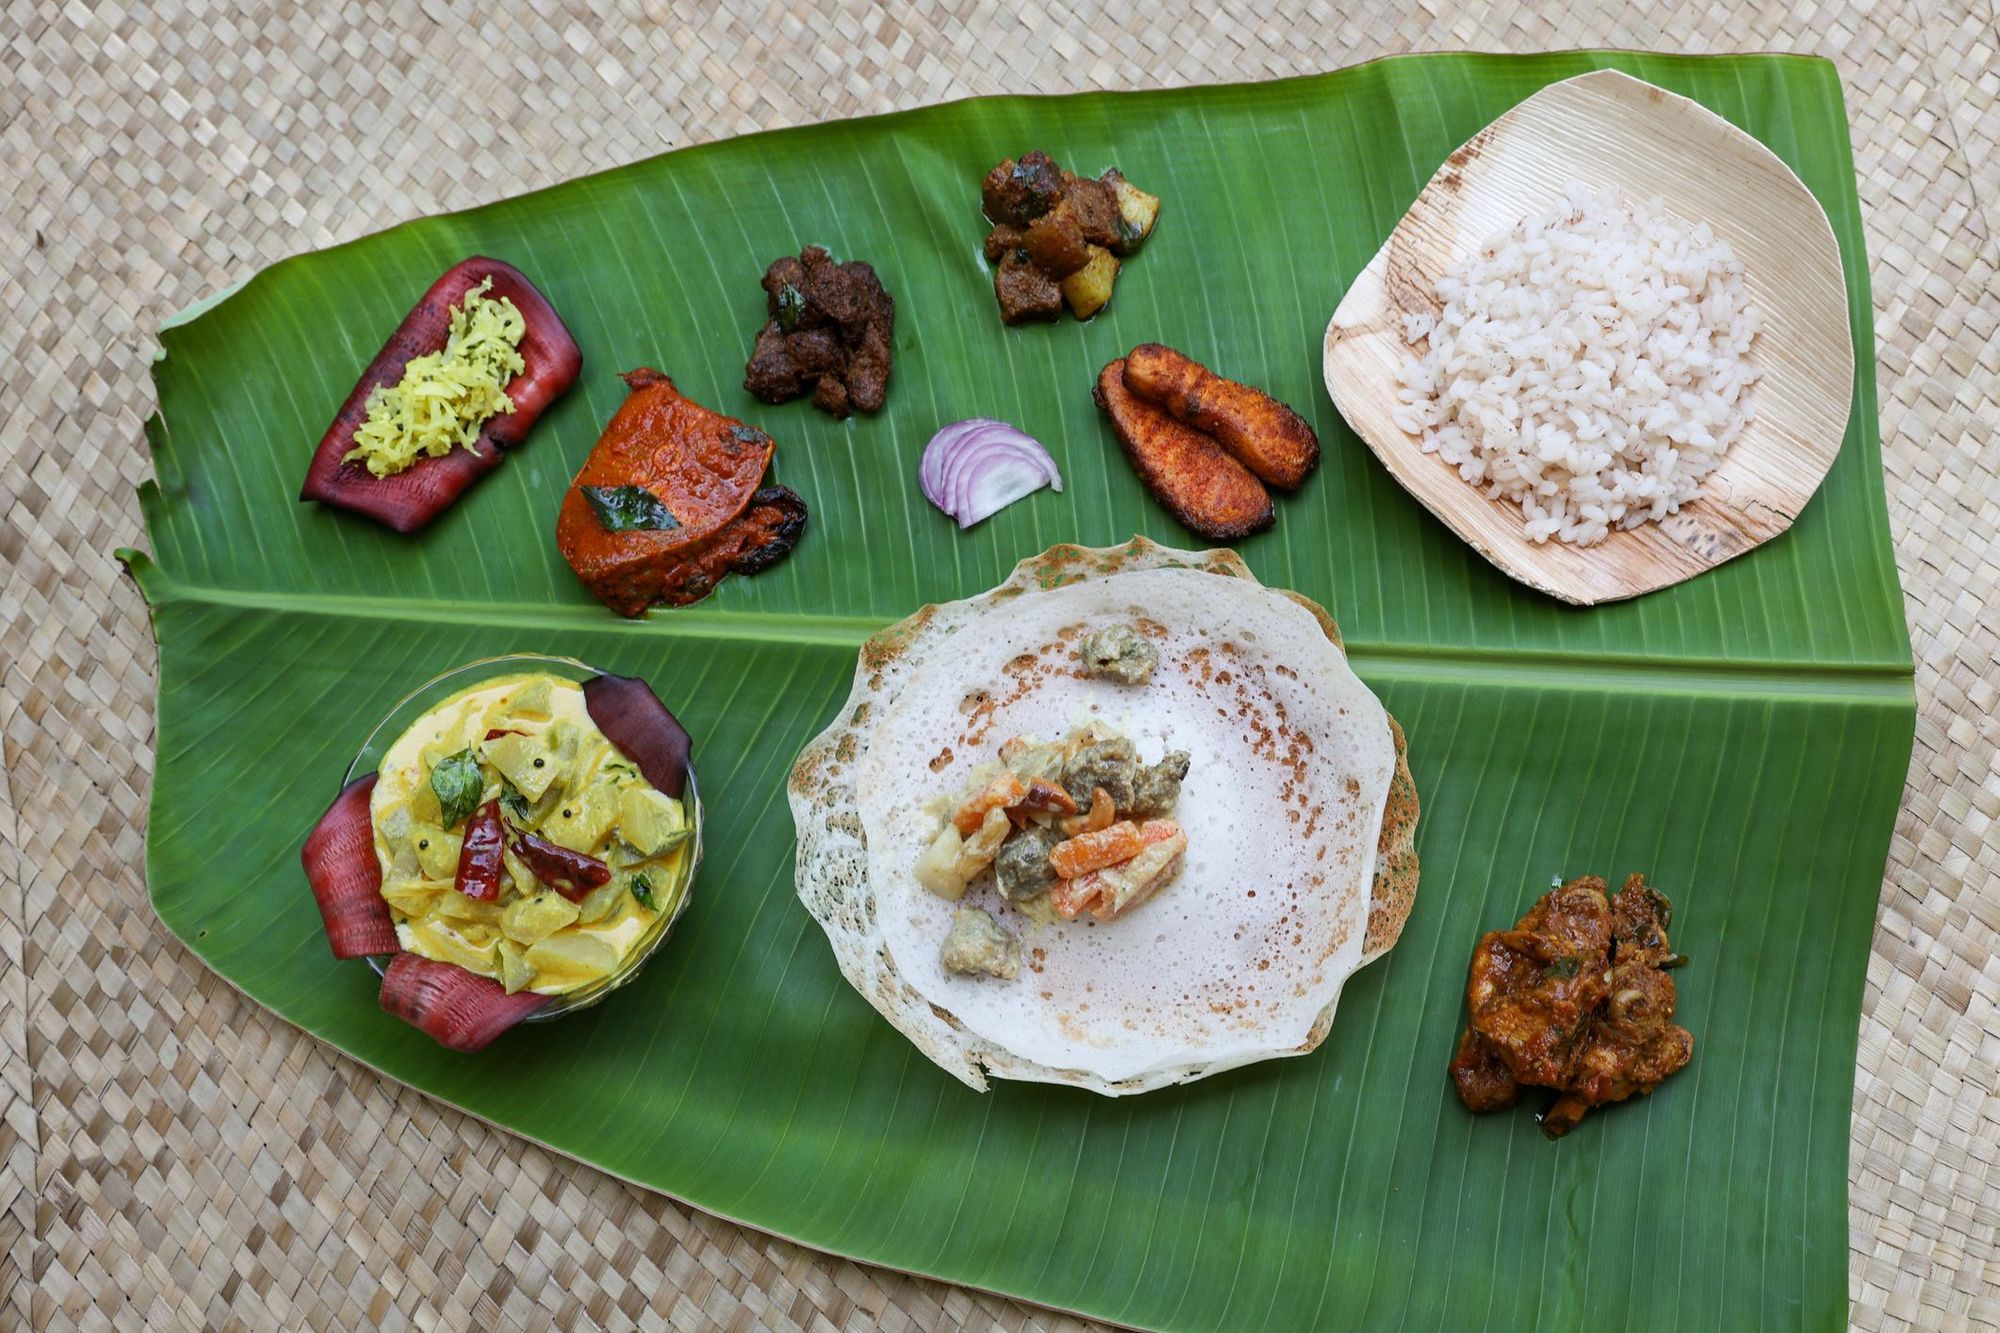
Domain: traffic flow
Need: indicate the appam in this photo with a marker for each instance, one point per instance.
(1299, 808)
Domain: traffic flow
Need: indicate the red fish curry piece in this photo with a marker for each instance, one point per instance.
(691, 479)
(409, 499)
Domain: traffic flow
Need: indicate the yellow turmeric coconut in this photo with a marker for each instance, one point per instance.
(517, 842)
(445, 397)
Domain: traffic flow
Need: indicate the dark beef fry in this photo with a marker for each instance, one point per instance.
(830, 332)
(1025, 292)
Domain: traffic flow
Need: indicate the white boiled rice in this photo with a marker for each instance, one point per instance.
(1593, 365)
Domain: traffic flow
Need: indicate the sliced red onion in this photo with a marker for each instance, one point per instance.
(975, 468)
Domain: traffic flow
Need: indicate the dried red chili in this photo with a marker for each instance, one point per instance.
(480, 855)
(572, 874)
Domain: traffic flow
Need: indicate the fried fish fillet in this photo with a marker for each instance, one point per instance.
(1262, 433)
(1211, 493)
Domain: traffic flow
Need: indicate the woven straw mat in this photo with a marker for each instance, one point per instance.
(173, 1156)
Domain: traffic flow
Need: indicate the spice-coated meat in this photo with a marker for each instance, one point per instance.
(829, 332)
(1056, 236)
(868, 365)
(1633, 1043)
(1533, 989)
(1096, 207)
(1262, 433)
(1004, 240)
(1578, 997)
(1025, 291)
(1019, 192)
(1481, 1076)
(1199, 483)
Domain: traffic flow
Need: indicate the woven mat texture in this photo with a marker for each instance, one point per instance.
(172, 1156)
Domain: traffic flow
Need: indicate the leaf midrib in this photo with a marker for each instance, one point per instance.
(1525, 667)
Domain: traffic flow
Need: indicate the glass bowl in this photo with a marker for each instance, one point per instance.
(441, 687)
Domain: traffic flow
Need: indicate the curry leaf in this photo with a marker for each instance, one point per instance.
(629, 509)
(457, 782)
(791, 304)
(516, 805)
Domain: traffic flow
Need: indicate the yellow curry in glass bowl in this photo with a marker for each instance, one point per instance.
(517, 842)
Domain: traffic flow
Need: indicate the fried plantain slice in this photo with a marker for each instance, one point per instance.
(1266, 436)
(1211, 493)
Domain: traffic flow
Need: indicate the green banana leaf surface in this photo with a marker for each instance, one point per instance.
(1741, 738)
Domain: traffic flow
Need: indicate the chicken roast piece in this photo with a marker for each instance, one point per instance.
(1577, 997)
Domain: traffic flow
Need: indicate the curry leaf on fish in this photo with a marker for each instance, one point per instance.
(630, 509)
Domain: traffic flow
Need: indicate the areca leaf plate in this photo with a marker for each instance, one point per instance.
(1741, 738)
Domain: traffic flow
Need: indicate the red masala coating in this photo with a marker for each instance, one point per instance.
(1265, 436)
(704, 466)
(413, 497)
(759, 537)
(1579, 997)
(346, 879)
(1201, 485)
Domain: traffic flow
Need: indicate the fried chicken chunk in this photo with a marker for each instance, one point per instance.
(1534, 988)
(1577, 997)
(1633, 1043)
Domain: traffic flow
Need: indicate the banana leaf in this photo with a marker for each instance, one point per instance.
(1741, 738)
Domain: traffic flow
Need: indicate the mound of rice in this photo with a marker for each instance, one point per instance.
(1593, 365)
